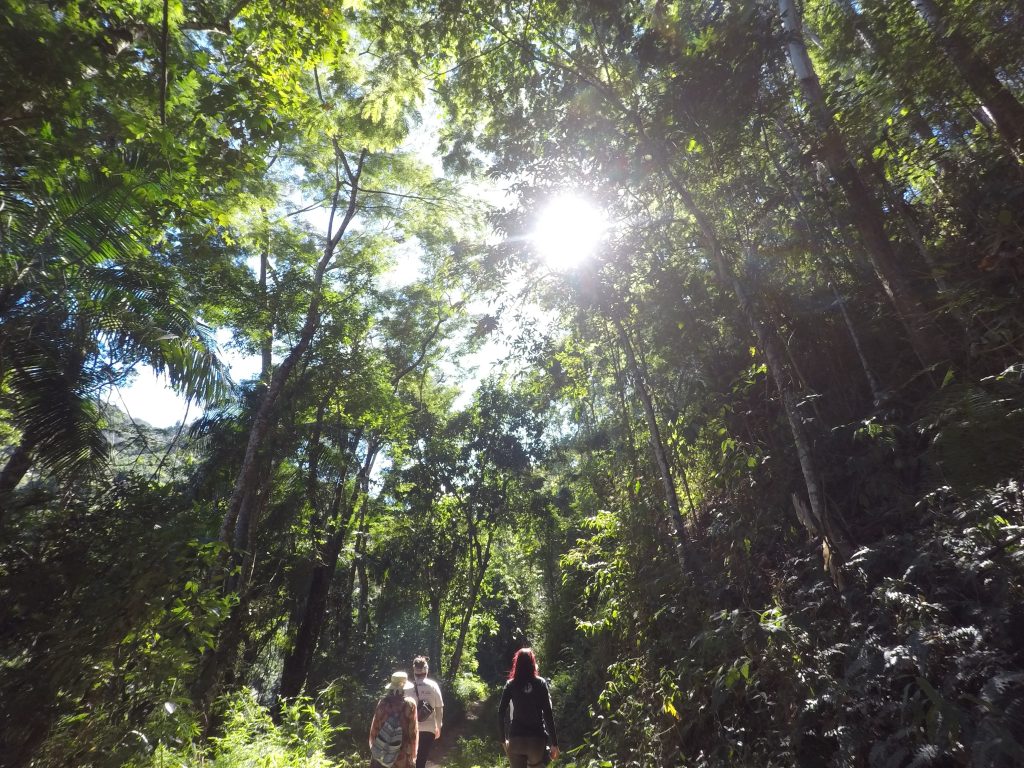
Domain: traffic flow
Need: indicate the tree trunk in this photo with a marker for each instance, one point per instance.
(217, 659)
(769, 343)
(483, 560)
(297, 662)
(436, 634)
(918, 124)
(261, 425)
(836, 549)
(14, 470)
(238, 526)
(820, 243)
(267, 340)
(363, 608)
(1006, 112)
(362, 627)
(343, 608)
(657, 445)
(315, 451)
(877, 394)
(864, 208)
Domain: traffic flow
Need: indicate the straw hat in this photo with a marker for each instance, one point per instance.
(399, 682)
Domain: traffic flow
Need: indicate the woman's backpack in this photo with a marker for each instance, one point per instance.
(388, 742)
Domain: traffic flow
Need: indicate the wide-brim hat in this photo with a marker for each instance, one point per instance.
(399, 682)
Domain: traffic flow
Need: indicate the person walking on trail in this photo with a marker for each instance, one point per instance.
(529, 732)
(429, 708)
(393, 733)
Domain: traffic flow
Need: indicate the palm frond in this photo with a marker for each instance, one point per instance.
(85, 298)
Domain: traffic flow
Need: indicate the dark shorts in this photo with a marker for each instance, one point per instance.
(527, 752)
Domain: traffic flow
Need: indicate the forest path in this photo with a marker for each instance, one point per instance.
(474, 724)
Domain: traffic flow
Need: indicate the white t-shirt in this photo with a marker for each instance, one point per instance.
(430, 692)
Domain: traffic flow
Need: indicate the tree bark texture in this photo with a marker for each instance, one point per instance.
(865, 210)
(1006, 112)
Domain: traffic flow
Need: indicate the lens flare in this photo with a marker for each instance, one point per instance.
(568, 231)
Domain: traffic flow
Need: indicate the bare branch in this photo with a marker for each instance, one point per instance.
(351, 210)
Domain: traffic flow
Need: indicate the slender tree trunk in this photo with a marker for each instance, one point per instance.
(657, 445)
(820, 243)
(483, 558)
(316, 450)
(262, 423)
(240, 503)
(918, 124)
(632, 454)
(237, 527)
(434, 641)
(297, 663)
(1006, 112)
(343, 608)
(363, 607)
(222, 658)
(869, 374)
(864, 208)
(770, 345)
(267, 341)
(835, 548)
(906, 213)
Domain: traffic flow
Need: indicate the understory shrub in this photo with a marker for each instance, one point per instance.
(251, 739)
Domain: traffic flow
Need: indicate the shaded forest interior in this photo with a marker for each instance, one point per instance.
(748, 476)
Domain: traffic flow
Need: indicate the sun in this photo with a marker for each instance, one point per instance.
(568, 231)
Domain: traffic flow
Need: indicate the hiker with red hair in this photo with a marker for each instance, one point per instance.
(528, 732)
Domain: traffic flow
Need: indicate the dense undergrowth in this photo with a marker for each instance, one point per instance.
(761, 660)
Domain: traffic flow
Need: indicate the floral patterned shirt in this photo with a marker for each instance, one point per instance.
(406, 709)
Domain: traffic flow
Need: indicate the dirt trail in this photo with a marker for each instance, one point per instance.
(469, 725)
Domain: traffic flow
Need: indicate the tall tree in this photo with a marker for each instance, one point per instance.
(1004, 108)
(866, 211)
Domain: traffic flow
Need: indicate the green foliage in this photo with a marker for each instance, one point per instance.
(302, 737)
(97, 644)
(475, 753)
(83, 304)
(468, 687)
